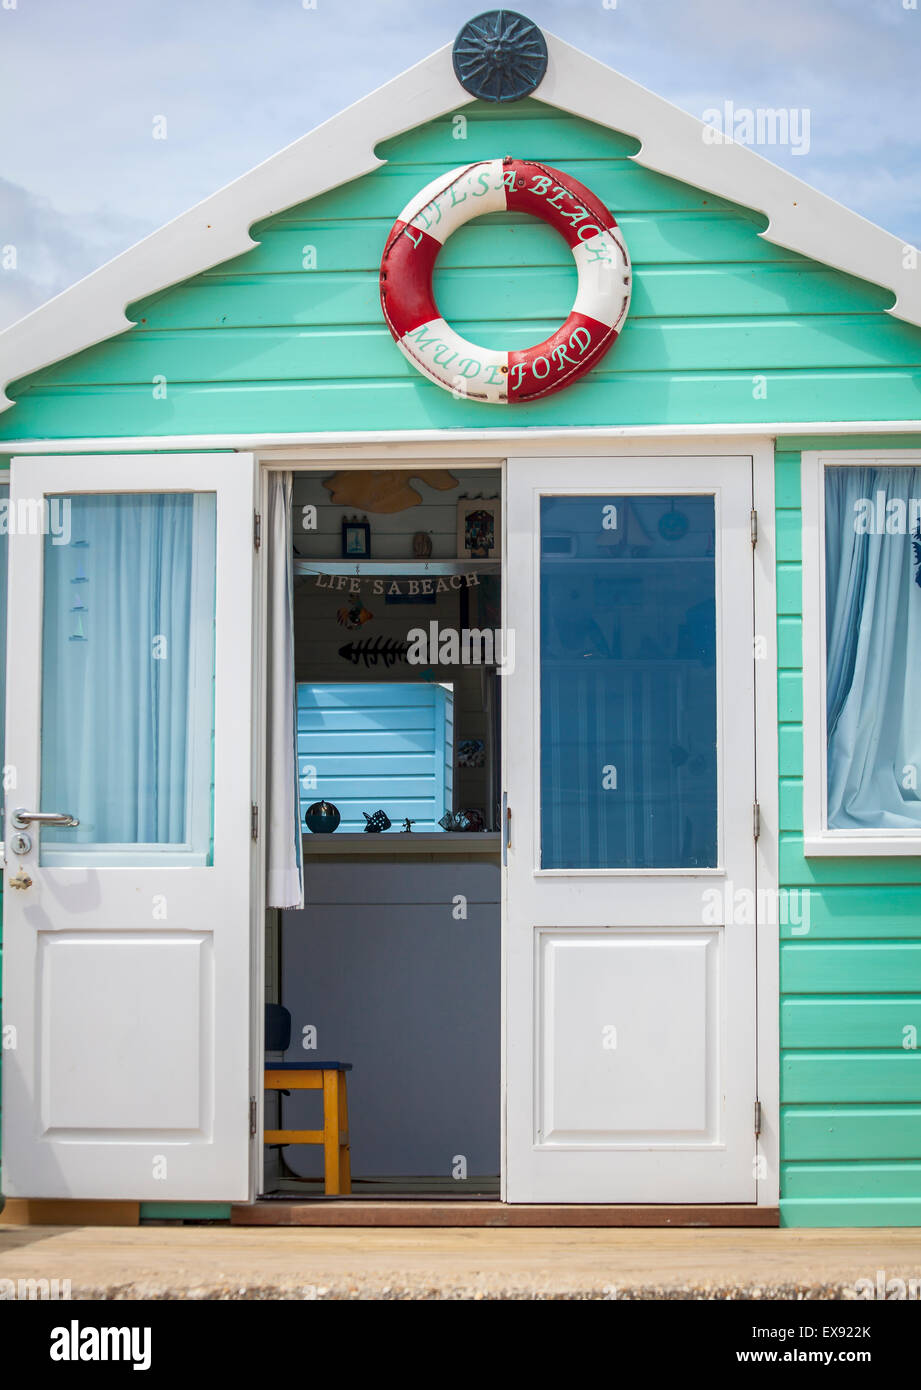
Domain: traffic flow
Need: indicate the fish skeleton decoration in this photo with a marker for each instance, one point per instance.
(371, 651)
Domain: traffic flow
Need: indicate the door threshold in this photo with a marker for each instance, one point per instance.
(351, 1211)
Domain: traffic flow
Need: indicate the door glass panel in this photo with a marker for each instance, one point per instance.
(128, 678)
(628, 770)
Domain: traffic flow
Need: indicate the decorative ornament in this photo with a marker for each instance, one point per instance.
(370, 651)
(356, 538)
(376, 823)
(500, 56)
(353, 615)
(471, 752)
(384, 492)
(488, 374)
(407, 826)
(322, 818)
(422, 545)
(479, 529)
(673, 525)
(460, 821)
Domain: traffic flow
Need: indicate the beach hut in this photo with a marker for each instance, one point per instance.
(463, 653)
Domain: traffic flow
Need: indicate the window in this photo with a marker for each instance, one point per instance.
(128, 679)
(862, 653)
(628, 682)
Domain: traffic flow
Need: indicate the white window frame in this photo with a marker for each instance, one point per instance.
(818, 839)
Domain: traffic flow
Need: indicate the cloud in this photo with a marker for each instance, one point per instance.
(43, 250)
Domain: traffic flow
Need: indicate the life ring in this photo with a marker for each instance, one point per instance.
(504, 185)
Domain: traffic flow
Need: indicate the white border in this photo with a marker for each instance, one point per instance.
(673, 143)
(818, 840)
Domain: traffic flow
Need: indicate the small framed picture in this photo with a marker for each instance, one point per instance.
(356, 538)
(471, 752)
(479, 529)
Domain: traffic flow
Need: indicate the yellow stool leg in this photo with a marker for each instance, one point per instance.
(331, 1131)
(345, 1162)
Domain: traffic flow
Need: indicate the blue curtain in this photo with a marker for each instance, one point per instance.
(128, 671)
(873, 648)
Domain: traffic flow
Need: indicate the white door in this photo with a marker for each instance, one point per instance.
(629, 736)
(126, 936)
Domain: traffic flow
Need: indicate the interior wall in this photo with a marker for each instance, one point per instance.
(324, 644)
(395, 981)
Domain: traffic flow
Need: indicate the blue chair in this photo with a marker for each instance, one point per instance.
(328, 1077)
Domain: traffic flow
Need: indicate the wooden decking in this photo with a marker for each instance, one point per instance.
(423, 1212)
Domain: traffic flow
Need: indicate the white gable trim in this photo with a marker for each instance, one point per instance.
(342, 149)
(801, 218)
(339, 150)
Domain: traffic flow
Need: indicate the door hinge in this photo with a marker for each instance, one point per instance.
(756, 820)
(757, 1118)
(252, 1115)
(754, 520)
(257, 530)
(254, 820)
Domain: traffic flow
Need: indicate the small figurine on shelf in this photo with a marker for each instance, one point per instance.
(376, 823)
(461, 821)
(322, 818)
(407, 826)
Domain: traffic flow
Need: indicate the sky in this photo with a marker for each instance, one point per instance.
(84, 86)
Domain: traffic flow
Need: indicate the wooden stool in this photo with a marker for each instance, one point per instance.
(328, 1077)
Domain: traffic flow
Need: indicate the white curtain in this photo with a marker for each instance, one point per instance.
(873, 620)
(128, 672)
(284, 870)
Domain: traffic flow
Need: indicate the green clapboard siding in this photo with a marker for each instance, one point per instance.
(851, 984)
(724, 326)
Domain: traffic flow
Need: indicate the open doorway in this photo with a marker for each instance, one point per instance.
(392, 968)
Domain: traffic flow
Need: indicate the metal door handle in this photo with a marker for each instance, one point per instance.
(20, 818)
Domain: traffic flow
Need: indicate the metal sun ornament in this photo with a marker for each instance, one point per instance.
(500, 56)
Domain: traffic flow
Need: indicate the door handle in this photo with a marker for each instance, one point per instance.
(20, 818)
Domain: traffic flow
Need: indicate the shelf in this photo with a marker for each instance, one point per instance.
(370, 568)
(395, 842)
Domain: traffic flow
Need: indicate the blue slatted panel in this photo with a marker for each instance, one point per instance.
(377, 746)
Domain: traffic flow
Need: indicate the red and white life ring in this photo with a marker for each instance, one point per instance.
(504, 185)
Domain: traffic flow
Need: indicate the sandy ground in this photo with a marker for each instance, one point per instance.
(258, 1263)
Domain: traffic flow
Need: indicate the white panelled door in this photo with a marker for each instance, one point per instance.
(630, 1046)
(127, 907)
